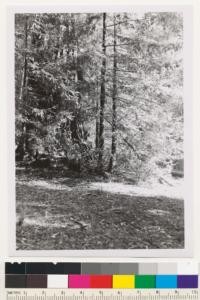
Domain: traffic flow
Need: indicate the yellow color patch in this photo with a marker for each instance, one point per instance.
(123, 281)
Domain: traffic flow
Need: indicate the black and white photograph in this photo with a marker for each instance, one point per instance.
(99, 130)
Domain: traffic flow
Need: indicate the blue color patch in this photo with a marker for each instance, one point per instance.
(166, 281)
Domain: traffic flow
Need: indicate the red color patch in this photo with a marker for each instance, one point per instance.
(101, 281)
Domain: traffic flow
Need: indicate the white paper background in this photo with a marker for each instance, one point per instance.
(5, 215)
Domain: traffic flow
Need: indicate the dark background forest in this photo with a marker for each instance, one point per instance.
(99, 97)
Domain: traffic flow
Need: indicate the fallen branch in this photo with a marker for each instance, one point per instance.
(162, 180)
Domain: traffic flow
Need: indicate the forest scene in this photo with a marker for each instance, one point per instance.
(99, 131)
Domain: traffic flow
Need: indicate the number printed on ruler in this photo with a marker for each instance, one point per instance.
(107, 294)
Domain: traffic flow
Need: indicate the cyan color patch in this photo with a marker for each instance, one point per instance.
(166, 281)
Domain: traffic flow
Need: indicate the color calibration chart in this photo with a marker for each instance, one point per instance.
(99, 281)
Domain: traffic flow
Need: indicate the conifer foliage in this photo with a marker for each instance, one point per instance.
(102, 92)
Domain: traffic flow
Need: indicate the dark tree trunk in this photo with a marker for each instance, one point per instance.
(102, 98)
(114, 106)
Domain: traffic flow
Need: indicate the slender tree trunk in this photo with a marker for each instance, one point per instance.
(114, 106)
(102, 98)
(97, 119)
(24, 72)
(23, 90)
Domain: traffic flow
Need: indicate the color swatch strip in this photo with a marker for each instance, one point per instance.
(102, 275)
(115, 281)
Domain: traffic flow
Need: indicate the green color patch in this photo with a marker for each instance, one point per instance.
(145, 282)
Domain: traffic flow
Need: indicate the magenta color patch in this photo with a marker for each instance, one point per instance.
(79, 281)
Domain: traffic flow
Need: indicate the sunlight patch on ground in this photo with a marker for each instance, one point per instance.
(131, 190)
(144, 190)
(45, 222)
(158, 212)
(46, 185)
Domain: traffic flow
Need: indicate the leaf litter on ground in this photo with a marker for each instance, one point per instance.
(87, 218)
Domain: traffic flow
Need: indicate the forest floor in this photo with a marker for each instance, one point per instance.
(69, 212)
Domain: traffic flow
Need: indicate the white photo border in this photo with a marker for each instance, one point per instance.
(187, 11)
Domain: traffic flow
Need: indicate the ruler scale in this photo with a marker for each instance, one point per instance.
(51, 294)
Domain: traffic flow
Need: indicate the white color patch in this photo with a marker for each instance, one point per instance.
(57, 281)
(188, 268)
(167, 268)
